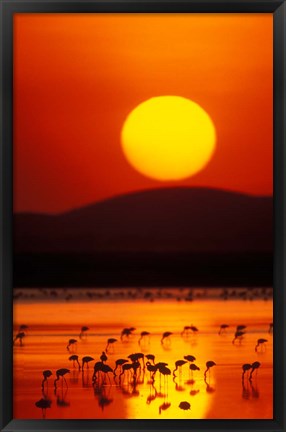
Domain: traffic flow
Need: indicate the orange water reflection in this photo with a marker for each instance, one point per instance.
(223, 395)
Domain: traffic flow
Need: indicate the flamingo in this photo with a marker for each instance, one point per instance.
(96, 369)
(254, 367)
(71, 342)
(161, 364)
(240, 327)
(179, 364)
(150, 357)
(143, 335)
(164, 370)
(166, 336)
(74, 359)
(126, 332)
(19, 336)
(190, 358)
(103, 357)
(137, 356)
(119, 363)
(83, 331)
(260, 342)
(136, 365)
(124, 368)
(223, 328)
(238, 335)
(194, 367)
(209, 364)
(86, 360)
(270, 328)
(106, 369)
(110, 341)
(245, 367)
(194, 329)
(46, 375)
(152, 369)
(61, 373)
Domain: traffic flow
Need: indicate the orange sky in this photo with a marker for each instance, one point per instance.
(77, 76)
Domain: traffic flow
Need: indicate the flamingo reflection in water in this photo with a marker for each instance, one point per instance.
(44, 404)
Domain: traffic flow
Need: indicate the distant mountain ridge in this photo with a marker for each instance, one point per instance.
(192, 220)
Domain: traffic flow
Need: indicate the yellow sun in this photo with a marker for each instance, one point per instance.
(168, 138)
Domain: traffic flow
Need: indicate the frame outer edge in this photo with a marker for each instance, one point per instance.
(5, 213)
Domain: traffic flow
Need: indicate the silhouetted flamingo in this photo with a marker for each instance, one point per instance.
(43, 404)
(136, 357)
(185, 406)
(143, 336)
(179, 364)
(254, 366)
(194, 329)
(106, 369)
(166, 336)
(83, 331)
(245, 367)
(86, 360)
(110, 342)
(136, 365)
(150, 357)
(161, 364)
(240, 327)
(46, 375)
(19, 336)
(152, 369)
(193, 368)
(74, 358)
(209, 364)
(164, 370)
(190, 358)
(126, 332)
(124, 368)
(71, 342)
(128, 366)
(96, 369)
(103, 357)
(270, 328)
(238, 335)
(223, 328)
(260, 342)
(119, 363)
(61, 373)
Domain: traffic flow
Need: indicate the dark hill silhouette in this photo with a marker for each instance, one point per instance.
(179, 220)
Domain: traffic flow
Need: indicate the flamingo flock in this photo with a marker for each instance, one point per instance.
(128, 372)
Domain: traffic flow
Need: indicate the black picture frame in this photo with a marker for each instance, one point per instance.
(7, 9)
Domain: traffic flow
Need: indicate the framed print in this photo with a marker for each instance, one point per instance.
(142, 215)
